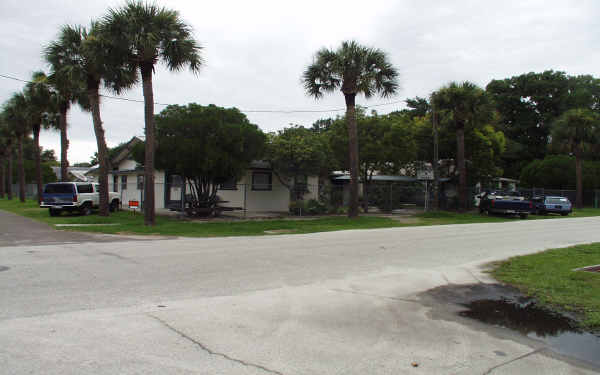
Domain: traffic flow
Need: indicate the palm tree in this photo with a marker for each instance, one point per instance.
(354, 69)
(147, 33)
(15, 112)
(89, 59)
(574, 129)
(69, 90)
(6, 142)
(466, 106)
(41, 100)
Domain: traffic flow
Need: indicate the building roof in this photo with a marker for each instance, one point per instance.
(78, 172)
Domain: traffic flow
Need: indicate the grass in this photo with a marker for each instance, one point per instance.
(549, 277)
(134, 224)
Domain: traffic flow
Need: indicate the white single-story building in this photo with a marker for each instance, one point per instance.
(257, 190)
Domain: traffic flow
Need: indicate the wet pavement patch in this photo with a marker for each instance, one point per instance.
(4, 268)
(504, 306)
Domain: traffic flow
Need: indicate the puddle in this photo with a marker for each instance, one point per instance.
(505, 307)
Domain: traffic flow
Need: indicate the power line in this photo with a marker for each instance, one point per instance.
(244, 111)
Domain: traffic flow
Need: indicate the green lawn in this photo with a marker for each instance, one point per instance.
(134, 224)
(549, 277)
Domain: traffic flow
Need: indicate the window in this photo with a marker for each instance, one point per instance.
(261, 181)
(140, 182)
(59, 189)
(97, 187)
(83, 189)
(116, 184)
(123, 182)
(230, 184)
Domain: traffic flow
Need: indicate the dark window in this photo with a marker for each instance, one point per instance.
(140, 182)
(97, 187)
(59, 189)
(84, 189)
(261, 181)
(230, 184)
(123, 182)
(115, 184)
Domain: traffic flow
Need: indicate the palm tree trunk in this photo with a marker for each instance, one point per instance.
(434, 164)
(352, 153)
(366, 183)
(9, 194)
(149, 209)
(94, 97)
(2, 178)
(38, 161)
(21, 168)
(64, 144)
(462, 170)
(579, 180)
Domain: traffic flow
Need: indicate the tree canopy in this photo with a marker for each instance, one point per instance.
(296, 152)
(206, 145)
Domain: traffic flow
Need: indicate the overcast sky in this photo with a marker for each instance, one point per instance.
(255, 52)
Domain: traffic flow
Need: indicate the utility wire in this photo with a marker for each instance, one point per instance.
(244, 111)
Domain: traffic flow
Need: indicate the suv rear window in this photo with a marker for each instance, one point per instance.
(59, 189)
(557, 201)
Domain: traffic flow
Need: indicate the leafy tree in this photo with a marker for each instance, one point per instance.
(386, 144)
(574, 129)
(146, 34)
(207, 146)
(322, 125)
(354, 69)
(89, 58)
(528, 104)
(294, 153)
(466, 106)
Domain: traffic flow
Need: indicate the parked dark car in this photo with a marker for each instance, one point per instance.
(544, 204)
(507, 203)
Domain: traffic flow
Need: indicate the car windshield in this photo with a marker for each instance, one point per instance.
(557, 200)
(59, 189)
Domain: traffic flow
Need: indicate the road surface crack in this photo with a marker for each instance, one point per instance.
(489, 371)
(376, 295)
(210, 351)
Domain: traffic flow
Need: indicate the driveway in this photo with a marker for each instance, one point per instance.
(352, 302)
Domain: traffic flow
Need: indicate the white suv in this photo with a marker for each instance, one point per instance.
(75, 196)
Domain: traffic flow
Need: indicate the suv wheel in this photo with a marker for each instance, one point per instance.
(85, 210)
(54, 212)
(114, 206)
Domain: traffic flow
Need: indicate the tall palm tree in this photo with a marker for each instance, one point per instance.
(6, 142)
(147, 34)
(89, 58)
(354, 69)
(42, 108)
(15, 112)
(575, 129)
(466, 106)
(69, 90)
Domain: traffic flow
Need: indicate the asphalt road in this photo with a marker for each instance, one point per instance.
(328, 303)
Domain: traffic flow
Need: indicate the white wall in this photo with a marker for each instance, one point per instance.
(131, 192)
